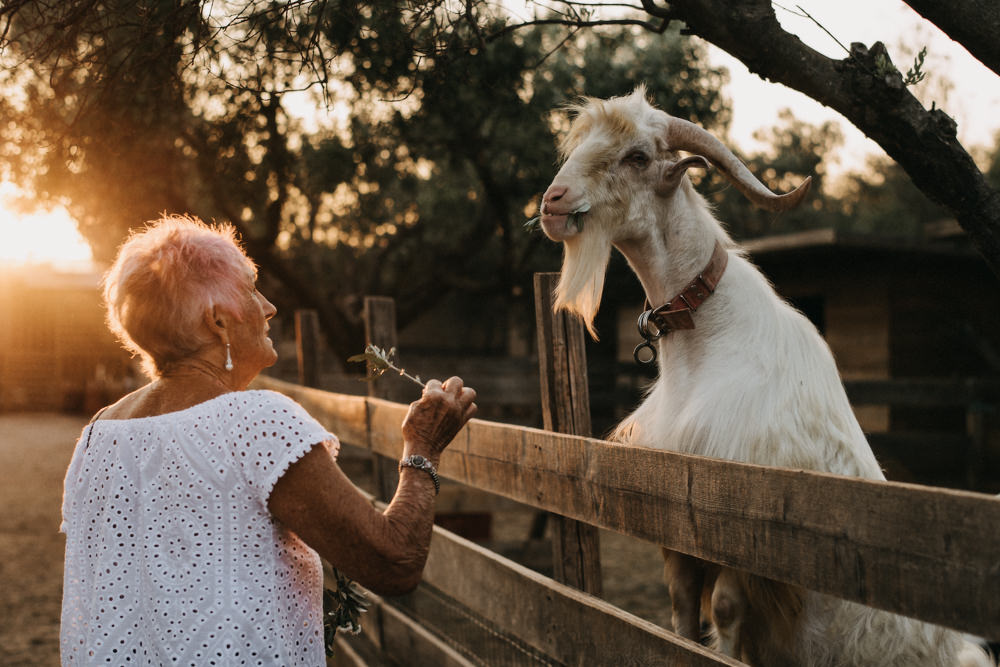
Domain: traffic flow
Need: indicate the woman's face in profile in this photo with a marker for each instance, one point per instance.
(252, 349)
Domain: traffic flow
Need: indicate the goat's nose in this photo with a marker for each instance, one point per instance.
(554, 193)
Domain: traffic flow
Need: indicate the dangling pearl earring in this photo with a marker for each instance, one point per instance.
(229, 359)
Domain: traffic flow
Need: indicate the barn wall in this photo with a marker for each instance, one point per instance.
(847, 298)
(55, 351)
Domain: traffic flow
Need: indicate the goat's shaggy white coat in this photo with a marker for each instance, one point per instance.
(753, 382)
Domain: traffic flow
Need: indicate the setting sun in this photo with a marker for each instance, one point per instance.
(43, 237)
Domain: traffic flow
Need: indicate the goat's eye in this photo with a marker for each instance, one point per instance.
(636, 159)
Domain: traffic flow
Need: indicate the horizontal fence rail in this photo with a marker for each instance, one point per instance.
(549, 617)
(923, 392)
(929, 553)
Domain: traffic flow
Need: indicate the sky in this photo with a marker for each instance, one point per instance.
(45, 237)
(956, 82)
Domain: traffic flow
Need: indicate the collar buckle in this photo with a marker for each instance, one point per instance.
(654, 323)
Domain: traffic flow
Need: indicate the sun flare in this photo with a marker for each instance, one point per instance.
(43, 237)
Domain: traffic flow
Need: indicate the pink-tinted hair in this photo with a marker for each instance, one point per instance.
(164, 279)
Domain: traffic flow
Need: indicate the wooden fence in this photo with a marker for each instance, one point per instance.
(956, 456)
(929, 553)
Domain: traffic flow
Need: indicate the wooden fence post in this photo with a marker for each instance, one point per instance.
(380, 330)
(307, 347)
(562, 365)
(976, 428)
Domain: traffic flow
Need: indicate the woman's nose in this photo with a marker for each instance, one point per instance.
(269, 309)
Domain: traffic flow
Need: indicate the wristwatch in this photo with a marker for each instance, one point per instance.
(420, 463)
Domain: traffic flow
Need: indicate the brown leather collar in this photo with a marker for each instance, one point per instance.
(676, 313)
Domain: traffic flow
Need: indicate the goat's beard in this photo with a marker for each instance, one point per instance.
(581, 283)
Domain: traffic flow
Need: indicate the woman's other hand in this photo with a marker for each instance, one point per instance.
(435, 419)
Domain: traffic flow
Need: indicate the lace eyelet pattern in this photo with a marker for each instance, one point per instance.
(172, 557)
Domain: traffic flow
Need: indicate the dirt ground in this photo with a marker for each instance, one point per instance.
(34, 452)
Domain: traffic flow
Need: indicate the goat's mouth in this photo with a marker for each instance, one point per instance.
(557, 227)
(560, 226)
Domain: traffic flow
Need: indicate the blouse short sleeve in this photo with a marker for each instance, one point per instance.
(273, 433)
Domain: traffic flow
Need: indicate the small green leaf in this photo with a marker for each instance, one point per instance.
(533, 224)
(379, 361)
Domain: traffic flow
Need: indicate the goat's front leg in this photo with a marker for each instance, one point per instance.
(685, 576)
(729, 611)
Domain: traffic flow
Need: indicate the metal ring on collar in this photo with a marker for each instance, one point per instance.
(637, 353)
(648, 329)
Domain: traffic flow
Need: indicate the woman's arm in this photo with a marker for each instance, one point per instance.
(383, 551)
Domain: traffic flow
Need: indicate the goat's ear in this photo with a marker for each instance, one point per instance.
(672, 172)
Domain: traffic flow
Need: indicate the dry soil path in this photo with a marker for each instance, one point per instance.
(34, 452)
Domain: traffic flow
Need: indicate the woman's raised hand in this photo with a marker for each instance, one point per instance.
(439, 415)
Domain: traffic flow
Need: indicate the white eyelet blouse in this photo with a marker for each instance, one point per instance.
(172, 557)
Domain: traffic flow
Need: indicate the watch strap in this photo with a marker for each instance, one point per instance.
(422, 463)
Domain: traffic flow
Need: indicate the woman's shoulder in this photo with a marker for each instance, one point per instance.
(271, 406)
(272, 414)
(126, 407)
(144, 404)
(265, 399)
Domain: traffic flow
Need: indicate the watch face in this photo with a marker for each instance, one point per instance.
(418, 460)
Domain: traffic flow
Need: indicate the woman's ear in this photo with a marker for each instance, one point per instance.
(217, 323)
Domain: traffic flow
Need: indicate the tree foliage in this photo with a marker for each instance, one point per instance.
(435, 135)
(127, 109)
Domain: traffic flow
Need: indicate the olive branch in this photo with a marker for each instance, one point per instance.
(379, 361)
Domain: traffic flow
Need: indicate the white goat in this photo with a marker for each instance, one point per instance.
(752, 380)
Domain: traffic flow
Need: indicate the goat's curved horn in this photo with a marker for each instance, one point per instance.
(686, 136)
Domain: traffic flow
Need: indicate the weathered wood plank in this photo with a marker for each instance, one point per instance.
(562, 366)
(928, 553)
(404, 641)
(345, 654)
(930, 392)
(558, 620)
(562, 361)
(307, 347)
(386, 438)
(380, 330)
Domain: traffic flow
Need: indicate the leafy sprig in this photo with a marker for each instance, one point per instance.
(379, 361)
(342, 609)
(914, 75)
(575, 220)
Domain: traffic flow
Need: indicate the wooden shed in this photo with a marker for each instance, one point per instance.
(55, 351)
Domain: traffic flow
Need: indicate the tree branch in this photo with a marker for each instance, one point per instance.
(975, 24)
(923, 142)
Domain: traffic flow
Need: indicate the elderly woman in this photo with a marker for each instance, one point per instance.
(196, 511)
